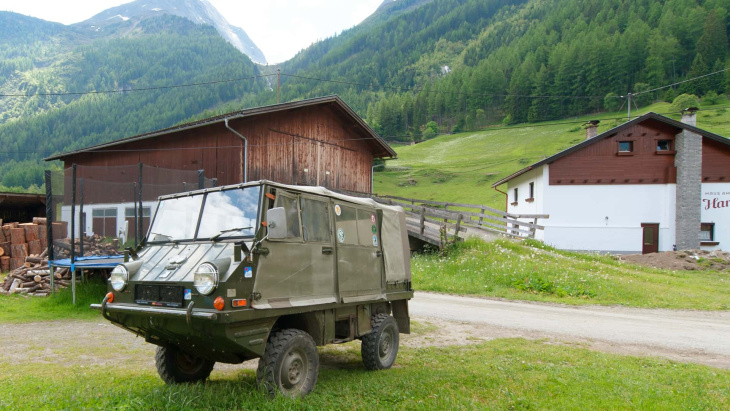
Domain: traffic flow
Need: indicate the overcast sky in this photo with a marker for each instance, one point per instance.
(279, 27)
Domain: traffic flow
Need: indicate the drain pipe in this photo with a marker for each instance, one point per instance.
(245, 149)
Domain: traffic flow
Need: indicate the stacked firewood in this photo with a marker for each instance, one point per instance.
(93, 245)
(18, 241)
(34, 277)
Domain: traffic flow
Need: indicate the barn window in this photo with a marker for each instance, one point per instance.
(129, 212)
(707, 233)
(664, 145)
(625, 146)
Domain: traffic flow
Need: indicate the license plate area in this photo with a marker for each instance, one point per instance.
(159, 295)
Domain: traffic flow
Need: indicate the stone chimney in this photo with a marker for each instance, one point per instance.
(688, 161)
(591, 129)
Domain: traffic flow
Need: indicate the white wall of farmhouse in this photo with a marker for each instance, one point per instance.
(716, 209)
(608, 217)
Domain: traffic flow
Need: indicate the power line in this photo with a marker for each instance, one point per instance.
(81, 93)
(679, 82)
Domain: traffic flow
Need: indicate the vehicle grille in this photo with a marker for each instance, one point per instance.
(162, 295)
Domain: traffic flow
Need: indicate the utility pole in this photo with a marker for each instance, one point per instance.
(278, 84)
(629, 104)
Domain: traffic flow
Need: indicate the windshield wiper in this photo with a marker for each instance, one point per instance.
(230, 230)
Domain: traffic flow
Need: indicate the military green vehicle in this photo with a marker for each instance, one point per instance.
(269, 271)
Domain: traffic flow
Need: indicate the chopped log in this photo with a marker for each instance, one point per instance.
(34, 247)
(39, 220)
(60, 230)
(27, 284)
(38, 278)
(44, 242)
(6, 230)
(5, 263)
(40, 294)
(19, 251)
(35, 260)
(61, 244)
(14, 286)
(6, 248)
(17, 235)
(2, 251)
(31, 231)
(44, 253)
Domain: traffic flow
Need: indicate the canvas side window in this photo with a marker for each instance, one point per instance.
(346, 224)
(292, 215)
(367, 228)
(315, 220)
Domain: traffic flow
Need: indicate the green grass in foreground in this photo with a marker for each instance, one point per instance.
(20, 308)
(533, 271)
(501, 374)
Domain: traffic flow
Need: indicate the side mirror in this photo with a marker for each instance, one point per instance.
(276, 223)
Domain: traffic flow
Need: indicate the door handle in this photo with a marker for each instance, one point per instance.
(378, 253)
(327, 250)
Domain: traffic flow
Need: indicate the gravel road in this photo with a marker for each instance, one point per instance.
(697, 336)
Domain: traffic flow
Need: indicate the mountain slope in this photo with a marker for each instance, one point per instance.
(126, 16)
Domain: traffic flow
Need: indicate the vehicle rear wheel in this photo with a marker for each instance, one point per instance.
(175, 365)
(290, 364)
(380, 347)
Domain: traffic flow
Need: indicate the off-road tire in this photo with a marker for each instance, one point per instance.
(175, 365)
(290, 364)
(380, 347)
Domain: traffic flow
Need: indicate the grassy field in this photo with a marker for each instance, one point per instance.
(462, 167)
(532, 271)
(501, 374)
(20, 308)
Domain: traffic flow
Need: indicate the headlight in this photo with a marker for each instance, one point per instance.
(206, 278)
(118, 278)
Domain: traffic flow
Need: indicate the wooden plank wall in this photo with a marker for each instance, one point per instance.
(303, 146)
(599, 163)
(715, 161)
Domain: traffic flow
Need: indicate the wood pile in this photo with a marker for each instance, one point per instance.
(18, 241)
(93, 245)
(34, 277)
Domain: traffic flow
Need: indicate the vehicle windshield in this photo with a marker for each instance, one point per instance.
(229, 213)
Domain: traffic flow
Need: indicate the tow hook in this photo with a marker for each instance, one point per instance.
(103, 308)
(189, 314)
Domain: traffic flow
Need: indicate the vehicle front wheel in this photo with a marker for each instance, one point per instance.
(175, 365)
(290, 364)
(380, 347)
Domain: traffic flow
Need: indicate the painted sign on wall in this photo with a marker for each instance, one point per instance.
(716, 199)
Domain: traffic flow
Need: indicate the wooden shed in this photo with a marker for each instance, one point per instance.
(319, 141)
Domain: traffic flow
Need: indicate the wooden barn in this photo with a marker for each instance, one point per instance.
(319, 141)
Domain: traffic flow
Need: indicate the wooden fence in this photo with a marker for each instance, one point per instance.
(433, 220)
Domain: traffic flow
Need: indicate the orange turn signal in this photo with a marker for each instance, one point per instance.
(110, 297)
(219, 303)
(238, 303)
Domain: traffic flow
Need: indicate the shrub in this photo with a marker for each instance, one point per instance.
(684, 101)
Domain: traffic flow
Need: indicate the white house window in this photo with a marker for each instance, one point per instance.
(516, 197)
(664, 145)
(707, 233)
(625, 146)
(531, 198)
(129, 212)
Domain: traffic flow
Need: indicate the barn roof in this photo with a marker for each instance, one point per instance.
(384, 149)
(612, 132)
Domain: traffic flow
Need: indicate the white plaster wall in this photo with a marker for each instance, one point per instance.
(716, 209)
(522, 183)
(607, 217)
(88, 210)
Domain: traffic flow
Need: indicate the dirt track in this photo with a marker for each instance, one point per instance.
(682, 335)
(439, 320)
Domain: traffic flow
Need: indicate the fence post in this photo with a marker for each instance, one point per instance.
(141, 210)
(533, 229)
(481, 219)
(49, 224)
(73, 234)
(82, 220)
(458, 225)
(136, 221)
(423, 219)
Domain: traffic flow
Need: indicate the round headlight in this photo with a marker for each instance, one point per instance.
(118, 278)
(205, 278)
